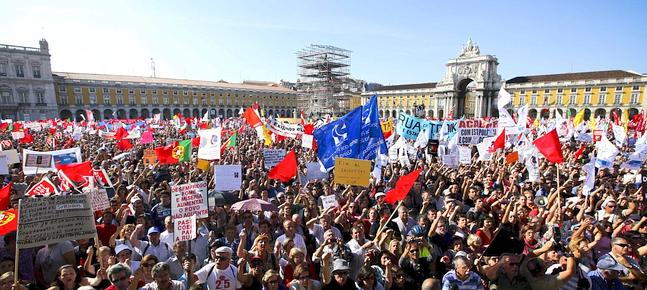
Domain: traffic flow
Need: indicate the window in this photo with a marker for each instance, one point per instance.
(186, 100)
(3, 69)
(635, 88)
(165, 93)
(93, 99)
(131, 92)
(602, 99)
(204, 101)
(20, 70)
(144, 99)
(40, 97)
(106, 90)
(534, 91)
(120, 100)
(23, 96)
(142, 91)
(78, 99)
(118, 91)
(176, 100)
(587, 89)
(560, 90)
(587, 99)
(155, 100)
(62, 99)
(634, 98)
(185, 93)
(523, 92)
(106, 100)
(93, 90)
(522, 100)
(213, 101)
(36, 70)
(573, 90)
(572, 99)
(165, 100)
(533, 100)
(546, 91)
(62, 89)
(131, 100)
(618, 88)
(560, 98)
(603, 89)
(175, 93)
(617, 99)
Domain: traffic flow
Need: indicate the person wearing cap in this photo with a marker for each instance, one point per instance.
(340, 279)
(607, 276)
(620, 253)
(221, 274)
(252, 279)
(124, 252)
(153, 246)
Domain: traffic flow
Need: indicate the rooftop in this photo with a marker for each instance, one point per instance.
(594, 75)
(263, 86)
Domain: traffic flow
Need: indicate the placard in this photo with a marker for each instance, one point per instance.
(272, 157)
(465, 155)
(352, 171)
(329, 201)
(58, 157)
(597, 135)
(4, 167)
(473, 131)
(150, 158)
(307, 140)
(12, 156)
(189, 199)
(314, 171)
(54, 219)
(185, 228)
(38, 160)
(227, 177)
(98, 198)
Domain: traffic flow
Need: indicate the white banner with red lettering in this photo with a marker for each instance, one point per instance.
(284, 129)
(473, 131)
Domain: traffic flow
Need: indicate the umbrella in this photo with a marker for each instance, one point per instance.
(254, 204)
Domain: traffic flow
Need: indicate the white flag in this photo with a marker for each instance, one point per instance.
(620, 134)
(205, 118)
(503, 99)
(484, 147)
(607, 153)
(210, 142)
(422, 139)
(589, 182)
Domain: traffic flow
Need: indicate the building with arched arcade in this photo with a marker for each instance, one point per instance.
(123, 97)
(471, 83)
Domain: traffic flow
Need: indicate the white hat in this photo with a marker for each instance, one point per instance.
(121, 248)
(225, 249)
(380, 194)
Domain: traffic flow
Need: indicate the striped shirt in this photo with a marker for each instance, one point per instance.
(473, 282)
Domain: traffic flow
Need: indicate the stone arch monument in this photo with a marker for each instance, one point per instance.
(470, 85)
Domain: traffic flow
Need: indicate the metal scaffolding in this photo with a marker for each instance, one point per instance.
(323, 71)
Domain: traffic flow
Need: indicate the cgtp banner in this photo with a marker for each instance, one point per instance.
(472, 131)
(284, 129)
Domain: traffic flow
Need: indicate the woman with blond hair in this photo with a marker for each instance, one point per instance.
(260, 248)
(121, 237)
(302, 279)
(296, 257)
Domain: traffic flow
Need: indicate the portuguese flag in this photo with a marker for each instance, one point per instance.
(8, 221)
(230, 143)
(174, 153)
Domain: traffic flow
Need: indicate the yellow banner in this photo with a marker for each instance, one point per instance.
(352, 171)
(203, 165)
(387, 126)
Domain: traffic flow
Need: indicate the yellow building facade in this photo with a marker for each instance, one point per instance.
(598, 93)
(123, 97)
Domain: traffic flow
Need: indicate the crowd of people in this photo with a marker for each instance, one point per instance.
(477, 226)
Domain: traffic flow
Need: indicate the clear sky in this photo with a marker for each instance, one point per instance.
(393, 42)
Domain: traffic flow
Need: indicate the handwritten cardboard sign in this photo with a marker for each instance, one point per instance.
(352, 171)
(189, 199)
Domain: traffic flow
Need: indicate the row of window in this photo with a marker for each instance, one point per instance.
(19, 70)
(572, 100)
(586, 89)
(155, 92)
(144, 101)
(23, 97)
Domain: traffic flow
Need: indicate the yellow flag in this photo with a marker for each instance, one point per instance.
(625, 120)
(267, 136)
(535, 124)
(579, 117)
(592, 123)
(203, 165)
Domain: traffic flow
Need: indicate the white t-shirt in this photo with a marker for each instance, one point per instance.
(162, 251)
(175, 285)
(218, 279)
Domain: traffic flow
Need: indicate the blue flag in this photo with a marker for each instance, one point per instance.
(339, 138)
(371, 137)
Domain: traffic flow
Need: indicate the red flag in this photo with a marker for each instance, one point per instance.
(252, 118)
(17, 126)
(579, 152)
(77, 172)
(402, 187)
(102, 177)
(8, 221)
(550, 147)
(4, 126)
(195, 142)
(499, 142)
(165, 154)
(64, 182)
(28, 138)
(616, 120)
(44, 187)
(286, 169)
(124, 144)
(121, 133)
(5, 196)
(256, 106)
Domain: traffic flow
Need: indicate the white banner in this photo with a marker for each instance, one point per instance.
(307, 141)
(12, 156)
(272, 157)
(329, 201)
(284, 129)
(465, 155)
(475, 130)
(188, 200)
(185, 229)
(227, 177)
(210, 142)
(61, 157)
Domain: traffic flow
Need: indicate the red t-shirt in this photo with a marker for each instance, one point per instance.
(105, 232)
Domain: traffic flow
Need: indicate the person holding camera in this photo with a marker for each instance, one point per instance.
(534, 270)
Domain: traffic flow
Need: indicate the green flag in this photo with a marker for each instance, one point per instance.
(183, 151)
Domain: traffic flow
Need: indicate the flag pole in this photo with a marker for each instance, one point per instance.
(379, 230)
(559, 200)
(17, 254)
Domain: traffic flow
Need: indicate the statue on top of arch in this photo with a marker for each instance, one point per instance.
(470, 49)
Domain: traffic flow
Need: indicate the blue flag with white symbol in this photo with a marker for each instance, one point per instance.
(371, 137)
(339, 138)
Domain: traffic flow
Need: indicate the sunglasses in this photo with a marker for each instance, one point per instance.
(120, 279)
(622, 245)
(220, 258)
